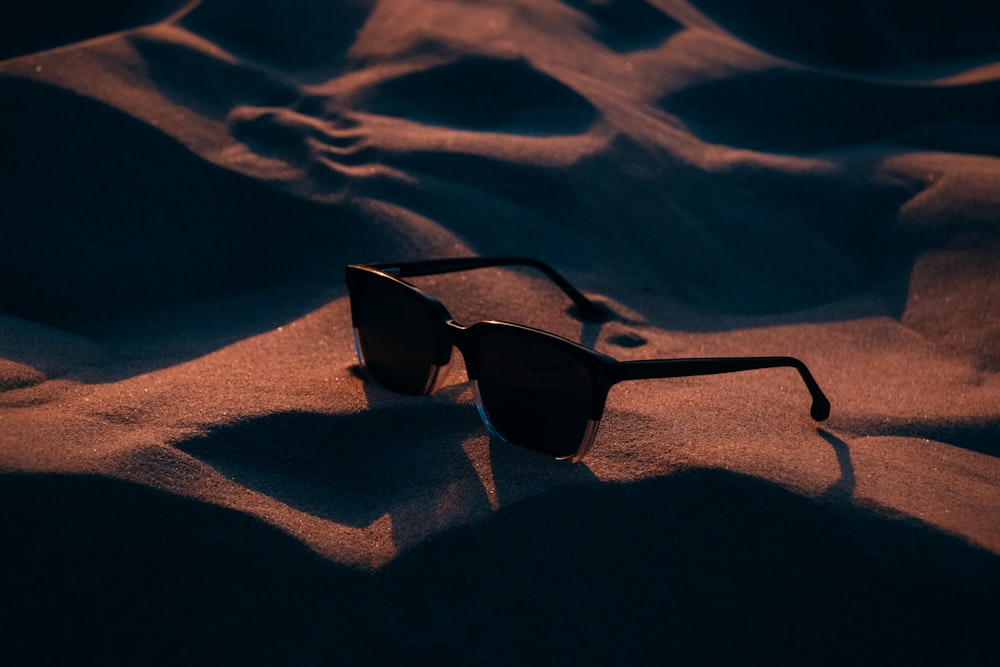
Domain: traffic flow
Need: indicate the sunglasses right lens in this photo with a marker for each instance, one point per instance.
(395, 333)
(532, 392)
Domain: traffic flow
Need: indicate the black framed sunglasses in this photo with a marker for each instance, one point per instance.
(532, 388)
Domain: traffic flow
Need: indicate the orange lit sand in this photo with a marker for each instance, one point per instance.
(195, 469)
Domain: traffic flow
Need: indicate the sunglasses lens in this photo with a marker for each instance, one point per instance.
(394, 333)
(534, 393)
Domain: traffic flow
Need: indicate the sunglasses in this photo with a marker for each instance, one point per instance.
(532, 388)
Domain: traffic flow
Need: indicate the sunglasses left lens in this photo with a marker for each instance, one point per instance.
(395, 333)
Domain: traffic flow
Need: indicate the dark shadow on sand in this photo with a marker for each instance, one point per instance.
(96, 571)
(296, 36)
(206, 84)
(862, 33)
(400, 458)
(177, 255)
(88, 239)
(483, 93)
(626, 26)
(843, 488)
(27, 27)
(351, 468)
(700, 567)
(976, 434)
(789, 110)
(752, 242)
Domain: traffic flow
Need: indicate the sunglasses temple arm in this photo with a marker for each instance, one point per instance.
(588, 310)
(668, 368)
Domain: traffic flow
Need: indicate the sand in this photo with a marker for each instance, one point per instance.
(194, 469)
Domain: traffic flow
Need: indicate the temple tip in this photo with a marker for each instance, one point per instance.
(820, 409)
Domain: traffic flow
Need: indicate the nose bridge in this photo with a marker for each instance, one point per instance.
(464, 339)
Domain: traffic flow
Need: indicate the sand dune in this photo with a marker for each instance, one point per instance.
(193, 466)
